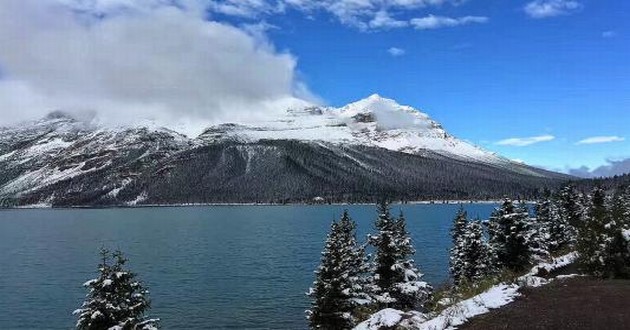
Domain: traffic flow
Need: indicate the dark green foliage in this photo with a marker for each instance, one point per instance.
(620, 207)
(397, 281)
(115, 298)
(338, 288)
(474, 253)
(591, 243)
(458, 232)
(617, 255)
(548, 215)
(387, 253)
(603, 249)
(508, 230)
(571, 210)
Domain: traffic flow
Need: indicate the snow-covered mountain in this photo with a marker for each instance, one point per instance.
(374, 121)
(64, 160)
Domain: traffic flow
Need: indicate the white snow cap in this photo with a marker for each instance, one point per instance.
(387, 113)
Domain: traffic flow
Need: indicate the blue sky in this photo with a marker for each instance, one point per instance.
(529, 79)
(566, 75)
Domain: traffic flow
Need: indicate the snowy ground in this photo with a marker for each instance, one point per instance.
(459, 313)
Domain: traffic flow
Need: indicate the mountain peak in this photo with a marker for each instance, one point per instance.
(376, 99)
(83, 116)
(58, 114)
(375, 96)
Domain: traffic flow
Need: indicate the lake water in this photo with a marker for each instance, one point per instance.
(241, 267)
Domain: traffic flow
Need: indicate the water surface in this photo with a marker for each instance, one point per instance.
(226, 267)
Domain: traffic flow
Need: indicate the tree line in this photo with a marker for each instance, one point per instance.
(349, 284)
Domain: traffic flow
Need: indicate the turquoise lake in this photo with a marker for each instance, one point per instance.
(220, 267)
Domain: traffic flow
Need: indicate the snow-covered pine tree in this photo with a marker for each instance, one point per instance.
(620, 207)
(116, 300)
(617, 252)
(508, 230)
(571, 210)
(456, 263)
(559, 229)
(538, 236)
(398, 283)
(592, 236)
(474, 253)
(545, 218)
(340, 280)
(409, 291)
(386, 253)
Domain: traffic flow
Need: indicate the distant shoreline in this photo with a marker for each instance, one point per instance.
(424, 202)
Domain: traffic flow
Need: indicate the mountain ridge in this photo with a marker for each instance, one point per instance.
(63, 160)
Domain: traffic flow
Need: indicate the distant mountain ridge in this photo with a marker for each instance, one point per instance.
(353, 153)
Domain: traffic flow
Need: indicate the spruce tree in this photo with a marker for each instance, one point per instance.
(116, 300)
(538, 236)
(620, 207)
(409, 291)
(617, 250)
(386, 252)
(339, 284)
(474, 253)
(397, 281)
(591, 243)
(560, 231)
(508, 229)
(458, 231)
(571, 211)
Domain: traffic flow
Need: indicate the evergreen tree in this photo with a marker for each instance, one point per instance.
(617, 252)
(397, 281)
(115, 299)
(571, 211)
(591, 243)
(458, 231)
(538, 236)
(560, 231)
(410, 292)
(620, 207)
(617, 255)
(508, 230)
(340, 281)
(474, 253)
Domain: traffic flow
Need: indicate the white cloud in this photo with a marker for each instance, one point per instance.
(361, 14)
(551, 8)
(382, 20)
(395, 51)
(128, 60)
(436, 22)
(609, 34)
(522, 142)
(601, 139)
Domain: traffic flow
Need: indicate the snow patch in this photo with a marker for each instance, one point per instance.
(141, 198)
(386, 318)
(459, 313)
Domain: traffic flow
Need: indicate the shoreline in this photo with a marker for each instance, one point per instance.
(421, 202)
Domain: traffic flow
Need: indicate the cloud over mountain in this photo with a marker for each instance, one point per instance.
(136, 59)
(614, 167)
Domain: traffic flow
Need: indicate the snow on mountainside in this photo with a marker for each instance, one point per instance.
(60, 147)
(65, 160)
(374, 121)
